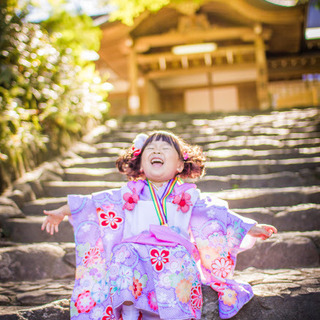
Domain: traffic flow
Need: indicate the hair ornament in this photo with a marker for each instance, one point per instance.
(185, 156)
(138, 143)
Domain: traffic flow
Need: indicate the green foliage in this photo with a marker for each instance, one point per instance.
(127, 10)
(72, 31)
(49, 96)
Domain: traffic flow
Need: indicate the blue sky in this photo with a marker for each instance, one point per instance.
(90, 7)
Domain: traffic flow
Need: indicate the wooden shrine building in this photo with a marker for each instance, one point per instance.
(255, 56)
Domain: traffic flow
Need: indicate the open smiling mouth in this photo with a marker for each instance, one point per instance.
(157, 161)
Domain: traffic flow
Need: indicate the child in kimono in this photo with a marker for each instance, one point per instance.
(140, 249)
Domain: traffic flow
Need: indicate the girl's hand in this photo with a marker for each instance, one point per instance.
(53, 219)
(263, 231)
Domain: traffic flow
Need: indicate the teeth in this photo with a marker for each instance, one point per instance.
(156, 161)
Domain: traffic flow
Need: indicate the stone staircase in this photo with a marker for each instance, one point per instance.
(266, 165)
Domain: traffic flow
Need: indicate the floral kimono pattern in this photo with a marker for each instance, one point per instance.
(156, 269)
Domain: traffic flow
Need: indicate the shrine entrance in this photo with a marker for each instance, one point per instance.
(215, 57)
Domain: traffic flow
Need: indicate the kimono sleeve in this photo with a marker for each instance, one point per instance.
(220, 235)
(97, 221)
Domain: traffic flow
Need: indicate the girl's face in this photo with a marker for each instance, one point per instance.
(160, 162)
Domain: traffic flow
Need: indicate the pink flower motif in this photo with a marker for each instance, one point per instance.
(185, 156)
(136, 151)
(183, 201)
(152, 301)
(109, 219)
(131, 200)
(158, 259)
(196, 297)
(108, 314)
(221, 267)
(91, 256)
(84, 302)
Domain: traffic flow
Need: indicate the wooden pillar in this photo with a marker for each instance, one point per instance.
(134, 99)
(262, 69)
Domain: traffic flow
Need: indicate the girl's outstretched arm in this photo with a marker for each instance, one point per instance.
(263, 231)
(54, 217)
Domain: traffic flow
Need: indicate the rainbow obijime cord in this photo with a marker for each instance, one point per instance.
(160, 205)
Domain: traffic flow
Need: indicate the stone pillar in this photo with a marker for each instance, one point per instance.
(134, 99)
(262, 69)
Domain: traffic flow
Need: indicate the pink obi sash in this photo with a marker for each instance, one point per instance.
(162, 236)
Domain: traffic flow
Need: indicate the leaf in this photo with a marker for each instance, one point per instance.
(175, 279)
(144, 280)
(82, 249)
(136, 274)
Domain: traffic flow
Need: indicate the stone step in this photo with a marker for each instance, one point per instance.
(206, 134)
(301, 217)
(250, 154)
(93, 174)
(63, 188)
(278, 295)
(262, 143)
(29, 262)
(279, 120)
(270, 197)
(197, 137)
(34, 293)
(28, 230)
(214, 139)
(304, 177)
(256, 141)
(93, 162)
(59, 309)
(36, 207)
(223, 123)
(283, 250)
(103, 149)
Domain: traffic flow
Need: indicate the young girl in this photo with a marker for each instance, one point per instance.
(140, 249)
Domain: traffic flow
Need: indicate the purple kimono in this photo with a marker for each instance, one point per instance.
(124, 254)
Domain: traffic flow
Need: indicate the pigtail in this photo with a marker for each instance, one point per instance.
(129, 162)
(194, 162)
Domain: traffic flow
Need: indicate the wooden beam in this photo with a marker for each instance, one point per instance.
(178, 72)
(169, 57)
(143, 44)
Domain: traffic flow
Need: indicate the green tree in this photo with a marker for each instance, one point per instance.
(49, 96)
(127, 10)
(72, 31)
